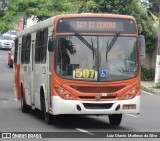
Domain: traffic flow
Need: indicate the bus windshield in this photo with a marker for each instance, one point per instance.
(93, 58)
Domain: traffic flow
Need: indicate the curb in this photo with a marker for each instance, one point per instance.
(151, 90)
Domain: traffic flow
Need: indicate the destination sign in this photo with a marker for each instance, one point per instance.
(96, 25)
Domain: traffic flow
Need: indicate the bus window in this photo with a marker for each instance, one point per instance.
(26, 42)
(41, 46)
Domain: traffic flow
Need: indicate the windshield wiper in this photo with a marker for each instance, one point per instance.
(90, 46)
(109, 47)
(93, 49)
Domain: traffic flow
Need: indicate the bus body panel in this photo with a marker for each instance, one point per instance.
(61, 106)
(17, 84)
(26, 81)
(37, 77)
(17, 70)
(40, 81)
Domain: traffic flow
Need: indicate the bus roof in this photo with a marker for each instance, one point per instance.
(36, 27)
(96, 15)
(49, 22)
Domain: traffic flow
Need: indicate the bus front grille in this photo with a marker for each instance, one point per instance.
(97, 106)
(94, 97)
(99, 89)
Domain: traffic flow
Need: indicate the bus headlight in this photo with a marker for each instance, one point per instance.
(63, 93)
(127, 96)
(130, 94)
(68, 96)
(133, 91)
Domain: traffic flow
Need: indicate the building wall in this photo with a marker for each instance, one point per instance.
(26, 23)
(20, 26)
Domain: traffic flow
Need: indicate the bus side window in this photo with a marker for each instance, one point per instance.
(16, 51)
(41, 46)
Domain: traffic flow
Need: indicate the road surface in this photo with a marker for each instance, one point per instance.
(13, 120)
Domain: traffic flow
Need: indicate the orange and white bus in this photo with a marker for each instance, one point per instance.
(83, 64)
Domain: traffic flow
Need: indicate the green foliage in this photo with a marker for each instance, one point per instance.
(42, 9)
(154, 6)
(157, 86)
(125, 7)
(147, 75)
(18, 9)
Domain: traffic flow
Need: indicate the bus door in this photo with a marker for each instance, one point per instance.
(32, 73)
(49, 82)
(26, 67)
(18, 73)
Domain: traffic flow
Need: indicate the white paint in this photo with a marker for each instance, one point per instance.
(157, 70)
(84, 131)
(30, 21)
(147, 93)
(69, 106)
(131, 115)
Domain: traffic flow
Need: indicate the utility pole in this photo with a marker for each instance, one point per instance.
(157, 68)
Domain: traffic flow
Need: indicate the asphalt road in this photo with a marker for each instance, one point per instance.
(13, 120)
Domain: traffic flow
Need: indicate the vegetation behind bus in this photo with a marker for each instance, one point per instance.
(14, 11)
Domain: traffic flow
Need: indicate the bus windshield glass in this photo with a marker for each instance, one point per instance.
(88, 58)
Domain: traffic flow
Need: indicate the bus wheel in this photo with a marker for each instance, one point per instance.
(24, 106)
(47, 116)
(115, 119)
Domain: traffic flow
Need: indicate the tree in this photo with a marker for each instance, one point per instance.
(42, 9)
(18, 9)
(3, 6)
(126, 7)
(154, 6)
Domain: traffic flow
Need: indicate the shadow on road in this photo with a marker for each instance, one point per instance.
(84, 122)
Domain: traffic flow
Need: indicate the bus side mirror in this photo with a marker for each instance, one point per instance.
(142, 46)
(51, 44)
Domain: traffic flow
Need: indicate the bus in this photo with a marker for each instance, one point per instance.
(80, 64)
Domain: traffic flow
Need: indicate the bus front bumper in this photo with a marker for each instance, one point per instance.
(61, 106)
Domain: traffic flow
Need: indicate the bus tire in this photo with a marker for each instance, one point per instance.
(47, 116)
(115, 119)
(24, 106)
